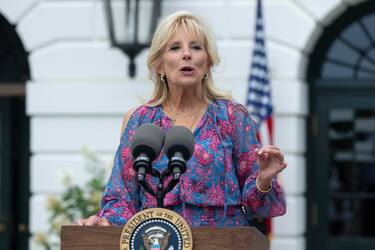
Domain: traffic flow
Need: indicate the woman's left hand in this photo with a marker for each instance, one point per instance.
(271, 162)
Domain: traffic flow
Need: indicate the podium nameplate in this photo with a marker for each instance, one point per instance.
(156, 229)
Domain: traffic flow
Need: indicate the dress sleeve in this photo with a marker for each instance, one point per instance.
(256, 203)
(120, 199)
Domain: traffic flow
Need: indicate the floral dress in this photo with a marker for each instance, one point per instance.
(218, 188)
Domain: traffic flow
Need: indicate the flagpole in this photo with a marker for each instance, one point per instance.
(258, 99)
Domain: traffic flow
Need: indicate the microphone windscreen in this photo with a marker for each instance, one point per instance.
(148, 139)
(179, 139)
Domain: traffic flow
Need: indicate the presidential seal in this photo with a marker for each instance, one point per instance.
(156, 229)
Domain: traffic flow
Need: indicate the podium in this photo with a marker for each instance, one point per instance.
(108, 238)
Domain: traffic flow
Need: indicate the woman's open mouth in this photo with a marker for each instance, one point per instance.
(187, 71)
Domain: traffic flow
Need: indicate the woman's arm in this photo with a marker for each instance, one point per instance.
(258, 202)
(120, 197)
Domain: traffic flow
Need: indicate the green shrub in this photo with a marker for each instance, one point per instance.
(76, 201)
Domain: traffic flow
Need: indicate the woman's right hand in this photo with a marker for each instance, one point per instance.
(93, 220)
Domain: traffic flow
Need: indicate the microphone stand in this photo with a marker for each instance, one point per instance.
(160, 190)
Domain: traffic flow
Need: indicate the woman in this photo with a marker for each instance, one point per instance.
(228, 173)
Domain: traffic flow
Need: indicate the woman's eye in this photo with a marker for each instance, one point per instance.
(196, 47)
(174, 47)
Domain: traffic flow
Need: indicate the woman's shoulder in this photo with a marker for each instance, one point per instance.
(134, 114)
(126, 118)
(140, 110)
(231, 106)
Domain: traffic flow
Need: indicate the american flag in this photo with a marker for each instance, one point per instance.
(258, 98)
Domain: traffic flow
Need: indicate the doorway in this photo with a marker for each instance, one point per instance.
(341, 138)
(14, 141)
(344, 162)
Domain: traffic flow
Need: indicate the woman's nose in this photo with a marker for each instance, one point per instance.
(186, 53)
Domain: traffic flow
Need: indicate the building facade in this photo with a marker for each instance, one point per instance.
(78, 90)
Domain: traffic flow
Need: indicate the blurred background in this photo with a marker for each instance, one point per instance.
(70, 69)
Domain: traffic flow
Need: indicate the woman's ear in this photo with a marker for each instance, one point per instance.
(160, 69)
(209, 64)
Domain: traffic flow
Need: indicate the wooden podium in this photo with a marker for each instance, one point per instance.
(108, 238)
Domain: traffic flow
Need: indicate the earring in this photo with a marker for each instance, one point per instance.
(162, 78)
(205, 76)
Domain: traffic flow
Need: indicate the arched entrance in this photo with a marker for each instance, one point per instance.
(14, 141)
(341, 141)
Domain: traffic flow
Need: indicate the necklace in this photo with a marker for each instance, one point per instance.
(194, 113)
(174, 114)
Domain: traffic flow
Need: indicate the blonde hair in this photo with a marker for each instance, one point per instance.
(167, 28)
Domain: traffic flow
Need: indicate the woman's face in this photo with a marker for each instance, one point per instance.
(184, 61)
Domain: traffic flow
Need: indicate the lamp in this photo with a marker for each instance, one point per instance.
(131, 24)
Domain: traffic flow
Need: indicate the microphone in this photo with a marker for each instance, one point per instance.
(145, 147)
(179, 147)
